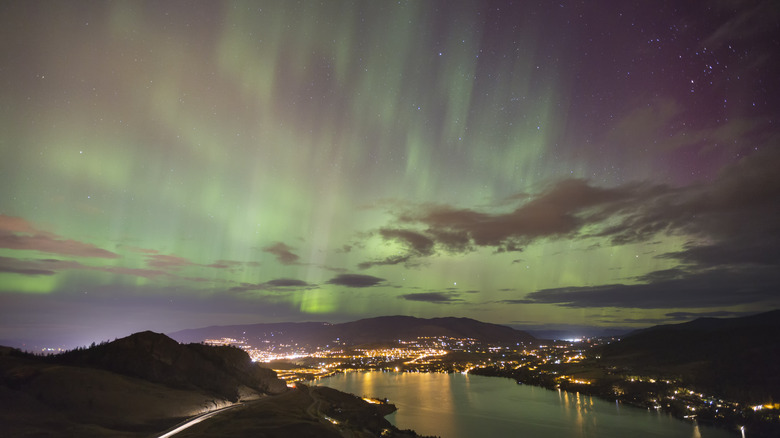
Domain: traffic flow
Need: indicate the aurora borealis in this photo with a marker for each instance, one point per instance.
(168, 165)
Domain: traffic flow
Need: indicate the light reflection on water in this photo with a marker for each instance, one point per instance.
(460, 406)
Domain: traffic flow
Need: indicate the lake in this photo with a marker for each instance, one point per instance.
(462, 405)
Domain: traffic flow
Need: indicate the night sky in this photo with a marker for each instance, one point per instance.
(169, 165)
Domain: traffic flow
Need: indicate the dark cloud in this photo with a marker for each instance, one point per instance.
(712, 288)
(355, 280)
(146, 273)
(52, 266)
(138, 249)
(225, 264)
(246, 287)
(392, 260)
(24, 271)
(283, 253)
(748, 26)
(737, 215)
(732, 224)
(558, 212)
(279, 284)
(17, 233)
(554, 212)
(677, 317)
(287, 282)
(162, 261)
(732, 250)
(685, 316)
(663, 275)
(451, 241)
(417, 243)
(432, 297)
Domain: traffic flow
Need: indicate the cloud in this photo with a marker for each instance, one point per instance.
(23, 267)
(561, 211)
(685, 316)
(283, 253)
(392, 260)
(146, 273)
(415, 245)
(737, 215)
(52, 266)
(17, 233)
(13, 224)
(225, 264)
(138, 249)
(710, 288)
(730, 211)
(677, 317)
(163, 261)
(432, 297)
(355, 280)
(287, 282)
(746, 25)
(280, 284)
(415, 242)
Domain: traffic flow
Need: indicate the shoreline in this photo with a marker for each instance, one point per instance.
(600, 410)
(755, 428)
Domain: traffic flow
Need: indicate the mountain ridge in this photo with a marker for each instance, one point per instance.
(380, 329)
(736, 357)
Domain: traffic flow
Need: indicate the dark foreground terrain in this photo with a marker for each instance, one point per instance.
(146, 383)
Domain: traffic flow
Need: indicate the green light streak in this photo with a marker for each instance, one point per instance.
(300, 125)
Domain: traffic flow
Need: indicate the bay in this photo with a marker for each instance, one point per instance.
(462, 405)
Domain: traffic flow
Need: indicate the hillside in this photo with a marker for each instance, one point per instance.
(365, 331)
(223, 371)
(143, 384)
(735, 357)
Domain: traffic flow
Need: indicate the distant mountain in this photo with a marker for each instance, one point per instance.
(572, 332)
(385, 329)
(302, 332)
(737, 357)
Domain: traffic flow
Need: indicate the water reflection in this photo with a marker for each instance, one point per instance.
(456, 405)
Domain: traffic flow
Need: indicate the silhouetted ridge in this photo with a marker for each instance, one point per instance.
(389, 328)
(158, 358)
(382, 329)
(736, 357)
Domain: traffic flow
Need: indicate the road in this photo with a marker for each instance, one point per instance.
(195, 420)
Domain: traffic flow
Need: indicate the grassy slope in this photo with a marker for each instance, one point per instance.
(53, 400)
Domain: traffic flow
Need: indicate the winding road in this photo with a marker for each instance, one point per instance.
(195, 420)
